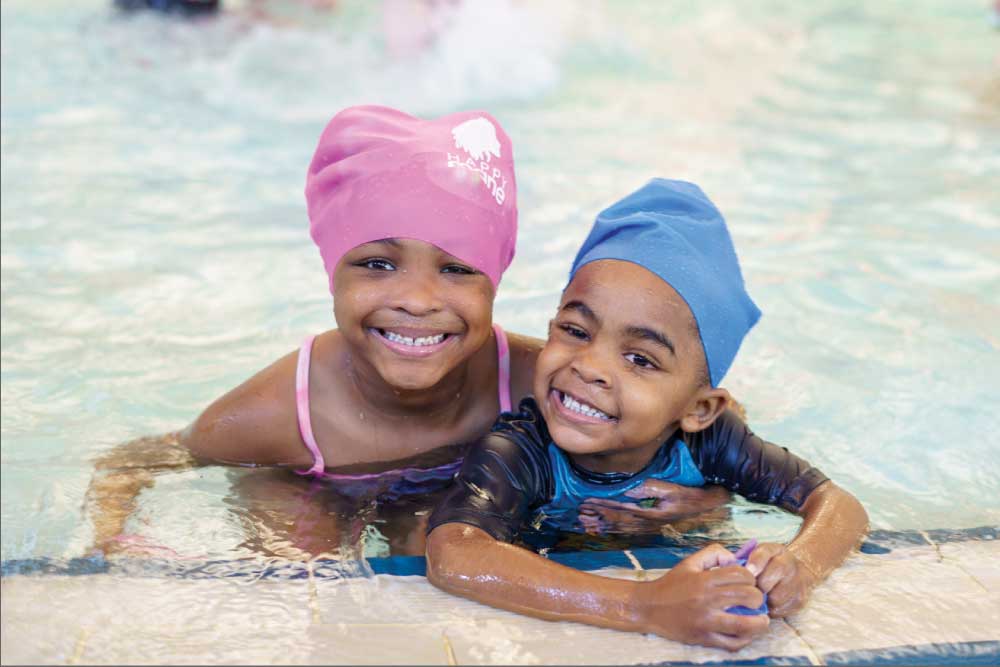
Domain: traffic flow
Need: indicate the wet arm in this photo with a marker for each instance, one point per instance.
(467, 561)
(686, 604)
(503, 477)
(121, 474)
(834, 523)
(254, 424)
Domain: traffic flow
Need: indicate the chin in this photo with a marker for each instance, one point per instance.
(574, 442)
(412, 382)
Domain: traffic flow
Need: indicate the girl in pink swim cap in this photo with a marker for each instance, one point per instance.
(416, 221)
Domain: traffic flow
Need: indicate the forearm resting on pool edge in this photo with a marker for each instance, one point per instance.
(686, 604)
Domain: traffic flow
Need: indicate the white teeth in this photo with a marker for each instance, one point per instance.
(414, 342)
(582, 408)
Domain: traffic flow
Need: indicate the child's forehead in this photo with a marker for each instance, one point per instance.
(402, 244)
(619, 289)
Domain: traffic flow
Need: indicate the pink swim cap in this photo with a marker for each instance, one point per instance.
(379, 173)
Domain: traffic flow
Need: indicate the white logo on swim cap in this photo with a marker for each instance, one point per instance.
(477, 137)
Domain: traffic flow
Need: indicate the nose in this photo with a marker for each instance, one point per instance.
(593, 366)
(418, 293)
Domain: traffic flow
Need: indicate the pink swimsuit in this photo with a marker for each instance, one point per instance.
(397, 482)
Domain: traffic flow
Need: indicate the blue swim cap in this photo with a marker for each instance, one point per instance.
(672, 229)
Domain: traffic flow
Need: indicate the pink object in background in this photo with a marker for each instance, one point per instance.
(380, 173)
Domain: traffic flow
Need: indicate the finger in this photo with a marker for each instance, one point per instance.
(628, 513)
(723, 577)
(591, 524)
(591, 509)
(772, 575)
(738, 596)
(638, 515)
(735, 625)
(613, 504)
(728, 642)
(758, 560)
(609, 514)
(786, 598)
(714, 555)
(731, 576)
(642, 491)
(657, 489)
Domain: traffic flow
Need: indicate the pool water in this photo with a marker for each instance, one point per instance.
(155, 249)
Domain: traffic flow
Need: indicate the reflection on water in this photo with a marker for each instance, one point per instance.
(285, 516)
(155, 250)
(290, 517)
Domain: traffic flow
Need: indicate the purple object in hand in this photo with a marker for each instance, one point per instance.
(742, 555)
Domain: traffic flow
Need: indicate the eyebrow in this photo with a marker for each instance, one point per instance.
(583, 309)
(645, 333)
(390, 241)
(633, 331)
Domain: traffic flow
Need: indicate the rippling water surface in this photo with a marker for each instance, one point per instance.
(155, 250)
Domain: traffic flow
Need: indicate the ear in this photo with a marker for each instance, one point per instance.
(706, 406)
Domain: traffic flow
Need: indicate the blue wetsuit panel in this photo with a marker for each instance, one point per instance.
(672, 463)
(515, 477)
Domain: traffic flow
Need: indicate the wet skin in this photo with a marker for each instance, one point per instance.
(632, 363)
(621, 372)
(378, 399)
(396, 291)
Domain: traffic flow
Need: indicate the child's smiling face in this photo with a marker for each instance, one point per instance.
(623, 367)
(414, 311)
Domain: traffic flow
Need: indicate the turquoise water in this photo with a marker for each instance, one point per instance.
(155, 249)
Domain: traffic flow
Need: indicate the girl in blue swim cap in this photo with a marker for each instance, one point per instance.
(626, 391)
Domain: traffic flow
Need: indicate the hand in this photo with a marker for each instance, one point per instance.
(689, 603)
(785, 579)
(109, 501)
(669, 502)
(137, 545)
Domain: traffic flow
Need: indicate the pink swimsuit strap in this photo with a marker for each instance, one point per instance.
(302, 397)
(302, 408)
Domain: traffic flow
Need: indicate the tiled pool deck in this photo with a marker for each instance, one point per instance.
(909, 598)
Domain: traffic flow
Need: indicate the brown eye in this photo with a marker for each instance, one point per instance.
(574, 331)
(376, 264)
(459, 269)
(639, 360)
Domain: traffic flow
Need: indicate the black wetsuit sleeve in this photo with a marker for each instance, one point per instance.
(504, 477)
(728, 453)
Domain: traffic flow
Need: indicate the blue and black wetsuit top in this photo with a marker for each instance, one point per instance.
(517, 477)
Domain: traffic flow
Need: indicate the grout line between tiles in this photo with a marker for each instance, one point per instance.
(449, 650)
(972, 576)
(79, 647)
(951, 561)
(640, 573)
(937, 549)
(957, 563)
(810, 651)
